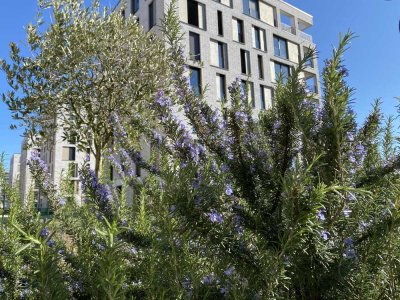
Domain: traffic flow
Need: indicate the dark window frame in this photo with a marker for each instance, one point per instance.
(222, 85)
(220, 23)
(134, 6)
(278, 50)
(199, 83)
(196, 44)
(260, 62)
(152, 15)
(245, 62)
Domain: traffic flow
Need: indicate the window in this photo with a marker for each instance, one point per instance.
(262, 97)
(280, 47)
(259, 38)
(220, 23)
(265, 97)
(249, 87)
(134, 6)
(311, 83)
(111, 173)
(196, 13)
(73, 170)
(225, 2)
(194, 45)
(219, 54)
(310, 61)
(68, 153)
(88, 153)
(195, 80)
(221, 87)
(152, 15)
(245, 61)
(72, 137)
(138, 170)
(237, 30)
(119, 189)
(260, 67)
(76, 186)
(251, 8)
(282, 71)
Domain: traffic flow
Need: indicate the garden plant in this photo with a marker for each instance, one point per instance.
(298, 202)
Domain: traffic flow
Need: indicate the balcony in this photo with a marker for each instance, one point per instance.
(287, 23)
(311, 83)
(288, 28)
(311, 89)
(305, 36)
(303, 26)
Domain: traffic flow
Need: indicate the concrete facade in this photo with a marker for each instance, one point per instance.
(14, 174)
(271, 19)
(62, 159)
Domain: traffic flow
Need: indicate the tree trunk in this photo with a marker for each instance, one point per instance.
(97, 163)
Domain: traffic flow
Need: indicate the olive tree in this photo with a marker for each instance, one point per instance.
(85, 66)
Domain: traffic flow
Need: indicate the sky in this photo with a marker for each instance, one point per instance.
(373, 59)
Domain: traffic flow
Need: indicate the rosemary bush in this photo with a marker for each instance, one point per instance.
(299, 202)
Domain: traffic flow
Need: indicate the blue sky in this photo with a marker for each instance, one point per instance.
(373, 60)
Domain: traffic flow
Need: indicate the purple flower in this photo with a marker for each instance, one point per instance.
(347, 212)
(61, 201)
(195, 183)
(172, 208)
(360, 151)
(216, 217)
(162, 100)
(349, 251)
(277, 125)
(44, 233)
(228, 190)
(321, 215)
(350, 136)
(224, 168)
(325, 235)
(51, 243)
(207, 280)
(157, 137)
(229, 271)
(348, 241)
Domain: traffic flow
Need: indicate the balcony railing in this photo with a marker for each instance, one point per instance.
(305, 36)
(312, 89)
(288, 28)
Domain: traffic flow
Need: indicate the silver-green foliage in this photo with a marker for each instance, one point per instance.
(84, 66)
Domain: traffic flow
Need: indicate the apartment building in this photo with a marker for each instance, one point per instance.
(62, 159)
(255, 40)
(14, 174)
(4, 203)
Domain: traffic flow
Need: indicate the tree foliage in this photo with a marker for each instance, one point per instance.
(82, 68)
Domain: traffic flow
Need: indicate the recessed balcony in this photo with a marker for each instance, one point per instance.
(288, 23)
(303, 26)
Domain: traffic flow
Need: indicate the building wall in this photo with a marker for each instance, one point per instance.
(27, 185)
(14, 174)
(272, 12)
